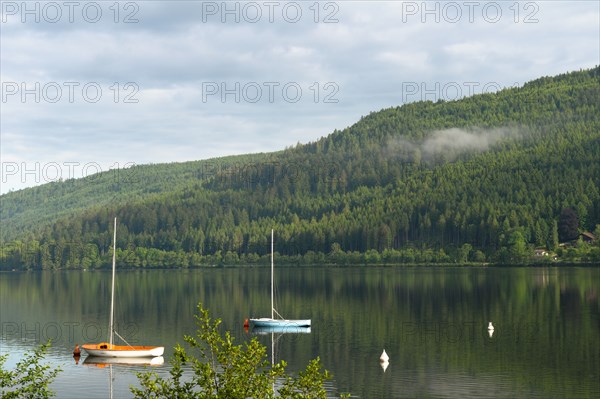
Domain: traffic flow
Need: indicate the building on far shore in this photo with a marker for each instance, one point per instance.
(588, 237)
(541, 252)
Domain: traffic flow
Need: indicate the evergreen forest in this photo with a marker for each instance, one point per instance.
(511, 177)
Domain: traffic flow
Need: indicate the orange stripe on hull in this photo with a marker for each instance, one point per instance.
(116, 347)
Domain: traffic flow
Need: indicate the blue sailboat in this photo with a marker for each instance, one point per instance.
(272, 322)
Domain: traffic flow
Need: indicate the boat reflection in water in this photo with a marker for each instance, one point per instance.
(276, 332)
(109, 362)
(101, 361)
(280, 329)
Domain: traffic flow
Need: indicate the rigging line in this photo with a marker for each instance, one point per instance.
(118, 335)
(277, 313)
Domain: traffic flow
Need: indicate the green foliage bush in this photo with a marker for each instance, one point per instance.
(223, 370)
(30, 379)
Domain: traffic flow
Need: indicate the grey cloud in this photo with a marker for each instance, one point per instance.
(370, 53)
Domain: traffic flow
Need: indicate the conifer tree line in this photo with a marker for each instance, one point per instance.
(482, 179)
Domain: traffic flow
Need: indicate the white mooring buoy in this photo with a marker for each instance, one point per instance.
(384, 360)
(384, 357)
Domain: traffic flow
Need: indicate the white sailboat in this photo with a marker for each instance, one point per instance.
(272, 322)
(109, 349)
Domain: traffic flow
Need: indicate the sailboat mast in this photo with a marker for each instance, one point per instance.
(112, 289)
(272, 269)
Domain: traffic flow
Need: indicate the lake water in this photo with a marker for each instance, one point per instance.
(431, 321)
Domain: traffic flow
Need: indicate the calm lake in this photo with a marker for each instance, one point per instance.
(431, 321)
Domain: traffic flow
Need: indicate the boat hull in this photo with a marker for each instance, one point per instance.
(279, 323)
(124, 351)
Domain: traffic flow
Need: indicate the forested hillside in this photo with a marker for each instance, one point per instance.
(482, 179)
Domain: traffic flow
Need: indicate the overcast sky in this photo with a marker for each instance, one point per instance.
(89, 86)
